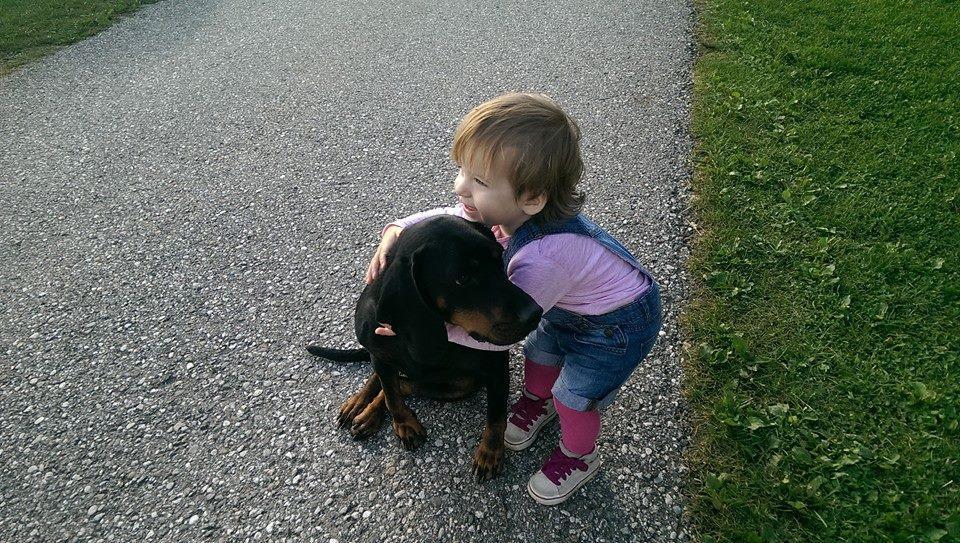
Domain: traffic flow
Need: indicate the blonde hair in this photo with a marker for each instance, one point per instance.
(538, 142)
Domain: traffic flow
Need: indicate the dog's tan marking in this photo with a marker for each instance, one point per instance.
(473, 321)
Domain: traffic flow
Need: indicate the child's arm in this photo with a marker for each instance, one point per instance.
(423, 215)
(543, 278)
(379, 261)
(392, 231)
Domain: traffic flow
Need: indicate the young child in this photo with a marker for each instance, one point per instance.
(520, 163)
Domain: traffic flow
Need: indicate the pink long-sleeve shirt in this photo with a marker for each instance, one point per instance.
(569, 271)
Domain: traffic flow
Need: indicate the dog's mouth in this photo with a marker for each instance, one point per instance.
(479, 337)
(487, 330)
(484, 339)
(501, 334)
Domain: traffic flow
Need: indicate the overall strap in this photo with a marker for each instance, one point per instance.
(580, 225)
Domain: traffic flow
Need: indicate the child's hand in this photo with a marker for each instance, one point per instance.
(379, 260)
(384, 330)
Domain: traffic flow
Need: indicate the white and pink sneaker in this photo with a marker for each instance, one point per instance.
(528, 415)
(562, 475)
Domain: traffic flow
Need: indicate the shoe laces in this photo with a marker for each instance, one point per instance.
(560, 466)
(526, 411)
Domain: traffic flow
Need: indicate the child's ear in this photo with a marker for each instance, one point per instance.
(531, 205)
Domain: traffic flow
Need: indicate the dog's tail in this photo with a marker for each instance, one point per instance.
(339, 355)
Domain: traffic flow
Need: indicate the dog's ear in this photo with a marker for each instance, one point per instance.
(403, 305)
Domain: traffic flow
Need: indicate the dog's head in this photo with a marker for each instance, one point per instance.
(456, 269)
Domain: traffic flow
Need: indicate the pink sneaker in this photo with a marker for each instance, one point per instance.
(527, 417)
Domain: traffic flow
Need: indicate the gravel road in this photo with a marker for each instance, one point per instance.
(192, 195)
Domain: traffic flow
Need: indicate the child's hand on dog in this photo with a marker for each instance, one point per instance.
(379, 260)
(384, 330)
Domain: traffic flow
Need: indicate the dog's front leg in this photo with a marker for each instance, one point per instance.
(488, 459)
(405, 423)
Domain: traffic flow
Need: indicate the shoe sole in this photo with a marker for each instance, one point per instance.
(560, 499)
(525, 444)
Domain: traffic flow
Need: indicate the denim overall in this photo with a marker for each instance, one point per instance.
(597, 352)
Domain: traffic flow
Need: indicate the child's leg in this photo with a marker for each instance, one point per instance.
(598, 358)
(577, 459)
(578, 429)
(538, 379)
(574, 462)
(534, 408)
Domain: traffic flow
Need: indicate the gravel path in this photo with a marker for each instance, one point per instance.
(191, 196)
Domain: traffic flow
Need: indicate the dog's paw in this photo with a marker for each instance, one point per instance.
(487, 462)
(350, 410)
(411, 433)
(367, 423)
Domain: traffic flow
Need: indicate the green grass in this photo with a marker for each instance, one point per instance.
(30, 29)
(824, 372)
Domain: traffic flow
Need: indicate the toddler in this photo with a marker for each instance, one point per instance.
(519, 160)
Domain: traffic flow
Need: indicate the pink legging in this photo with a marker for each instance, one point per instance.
(578, 429)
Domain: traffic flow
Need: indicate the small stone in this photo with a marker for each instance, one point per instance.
(193, 520)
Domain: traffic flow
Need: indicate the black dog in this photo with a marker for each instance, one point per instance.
(443, 269)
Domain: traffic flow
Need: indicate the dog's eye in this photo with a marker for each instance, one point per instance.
(462, 280)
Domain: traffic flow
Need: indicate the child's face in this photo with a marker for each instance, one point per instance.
(488, 197)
